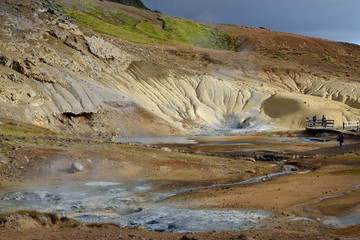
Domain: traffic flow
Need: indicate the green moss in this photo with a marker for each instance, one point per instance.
(152, 30)
(101, 26)
(20, 129)
(176, 30)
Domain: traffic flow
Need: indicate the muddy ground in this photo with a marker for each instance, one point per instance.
(335, 174)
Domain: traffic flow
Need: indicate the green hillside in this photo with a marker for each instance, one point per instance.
(173, 30)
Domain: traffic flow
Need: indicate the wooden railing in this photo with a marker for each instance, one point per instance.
(351, 125)
(319, 124)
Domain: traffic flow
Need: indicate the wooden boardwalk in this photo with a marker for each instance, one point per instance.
(351, 125)
(320, 125)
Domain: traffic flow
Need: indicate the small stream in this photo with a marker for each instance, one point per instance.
(333, 222)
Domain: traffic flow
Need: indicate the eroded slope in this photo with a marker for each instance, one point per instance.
(70, 79)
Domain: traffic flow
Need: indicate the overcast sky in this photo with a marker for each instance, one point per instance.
(337, 20)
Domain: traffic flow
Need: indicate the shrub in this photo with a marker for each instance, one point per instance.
(54, 218)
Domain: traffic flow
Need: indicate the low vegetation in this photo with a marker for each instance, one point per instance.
(100, 225)
(32, 214)
(62, 222)
(20, 129)
(173, 30)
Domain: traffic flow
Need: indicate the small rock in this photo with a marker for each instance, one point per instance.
(185, 237)
(166, 149)
(4, 61)
(14, 124)
(250, 159)
(294, 169)
(60, 34)
(77, 167)
(140, 227)
(13, 97)
(171, 226)
(14, 78)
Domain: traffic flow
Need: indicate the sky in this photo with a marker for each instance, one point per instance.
(337, 20)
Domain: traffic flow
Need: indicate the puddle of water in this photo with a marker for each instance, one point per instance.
(331, 221)
(340, 222)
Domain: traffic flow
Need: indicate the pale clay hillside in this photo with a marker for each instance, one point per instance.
(60, 75)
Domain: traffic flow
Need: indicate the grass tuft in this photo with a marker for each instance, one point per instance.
(100, 225)
(71, 225)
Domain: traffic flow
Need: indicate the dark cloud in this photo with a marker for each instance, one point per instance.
(330, 19)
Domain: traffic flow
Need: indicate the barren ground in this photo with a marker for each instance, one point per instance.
(335, 174)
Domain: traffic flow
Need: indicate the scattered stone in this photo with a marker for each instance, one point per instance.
(72, 45)
(140, 227)
(105, 50)
(14, 78)
(19, 67)
(13, 124)
(4, 60)
(60, 34)
(13, 98)
(166, 149)
(77, 167)
(171, 226)
(3, 160)
(185, 237)
(250, 159)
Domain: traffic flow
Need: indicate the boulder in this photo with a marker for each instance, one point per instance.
(77, 167)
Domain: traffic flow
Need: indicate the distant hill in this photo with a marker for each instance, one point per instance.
(134, 3)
